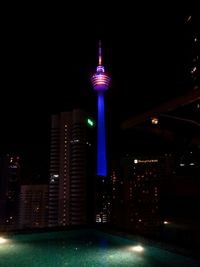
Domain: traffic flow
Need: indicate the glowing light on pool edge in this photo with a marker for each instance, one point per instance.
(2, 240)
(137, 248)
(166, 222)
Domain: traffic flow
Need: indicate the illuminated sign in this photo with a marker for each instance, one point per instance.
(145, 161)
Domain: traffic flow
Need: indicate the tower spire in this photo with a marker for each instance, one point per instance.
(100, 58)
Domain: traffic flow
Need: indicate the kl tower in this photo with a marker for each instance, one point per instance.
(100, 82)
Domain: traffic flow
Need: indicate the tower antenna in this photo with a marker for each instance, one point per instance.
(100, 57)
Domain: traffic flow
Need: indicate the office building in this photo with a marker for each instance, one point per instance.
(136, 188)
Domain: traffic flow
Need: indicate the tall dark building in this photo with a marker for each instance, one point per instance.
(9, 191)
(33, 206)
(192, 50)
(136, 186)
(71, 169)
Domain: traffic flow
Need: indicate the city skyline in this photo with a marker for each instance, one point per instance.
(139, 174)
(47, 65)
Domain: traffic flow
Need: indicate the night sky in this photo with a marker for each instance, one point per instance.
(49, 53)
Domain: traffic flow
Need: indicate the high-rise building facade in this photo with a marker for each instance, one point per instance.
(33, 206)
(136, 193)
(71, 169)
(10, 174)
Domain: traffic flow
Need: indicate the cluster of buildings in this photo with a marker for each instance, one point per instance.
(66, 199)
(131, 196)
(130, 192)
(83, 188)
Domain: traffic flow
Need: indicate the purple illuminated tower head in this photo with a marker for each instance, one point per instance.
(100, 82)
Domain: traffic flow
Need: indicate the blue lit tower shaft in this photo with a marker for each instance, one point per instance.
(101, 146)
(100, 82)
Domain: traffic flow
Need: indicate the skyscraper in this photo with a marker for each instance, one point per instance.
(71, 169)
(100, 82)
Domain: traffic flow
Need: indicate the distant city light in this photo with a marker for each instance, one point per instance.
(194, 69)
(166, 222)
(90, 122)
(98, 220)
(135, 161)
(189, 18)
(154, 120)
(13, 166)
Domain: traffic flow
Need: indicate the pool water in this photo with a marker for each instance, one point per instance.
(84, 248)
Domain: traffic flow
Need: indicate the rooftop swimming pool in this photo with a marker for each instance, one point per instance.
(81, 248)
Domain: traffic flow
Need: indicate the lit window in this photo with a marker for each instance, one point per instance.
(154, 120)
(189, 18)
(194, 69)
